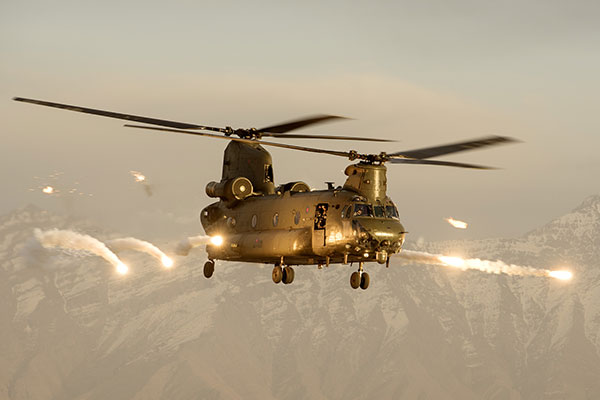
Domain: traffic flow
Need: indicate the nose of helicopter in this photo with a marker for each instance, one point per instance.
(382, 234)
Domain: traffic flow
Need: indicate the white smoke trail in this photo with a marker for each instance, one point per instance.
(187, 244)
(491, 267)
(130, 243)
(75, 241)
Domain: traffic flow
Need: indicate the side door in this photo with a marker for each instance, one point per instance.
(320, 226)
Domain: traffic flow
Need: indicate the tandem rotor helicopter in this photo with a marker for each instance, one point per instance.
(292, 224)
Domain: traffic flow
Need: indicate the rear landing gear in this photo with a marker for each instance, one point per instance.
(285, 275)
(209, 268)
(277, 274)
(360, 278)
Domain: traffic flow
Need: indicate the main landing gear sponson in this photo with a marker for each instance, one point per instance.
(285, 274)
(209, 268)
(360, 278)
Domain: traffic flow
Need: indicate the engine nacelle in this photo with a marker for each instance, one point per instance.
(294, 187)
(232, 189)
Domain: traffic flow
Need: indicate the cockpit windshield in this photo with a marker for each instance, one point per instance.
(391, 212)
(363, 210)
(379, 211)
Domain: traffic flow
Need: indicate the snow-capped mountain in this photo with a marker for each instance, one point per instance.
(72, 328)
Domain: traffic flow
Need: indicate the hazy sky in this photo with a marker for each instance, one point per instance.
(424, 73)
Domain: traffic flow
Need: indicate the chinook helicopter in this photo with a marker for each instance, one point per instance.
(291, 224)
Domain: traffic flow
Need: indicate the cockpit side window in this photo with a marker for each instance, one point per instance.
(363, 210)
(391, 212)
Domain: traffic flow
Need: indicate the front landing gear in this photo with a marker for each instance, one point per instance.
(285, 275)
(360, 278)
(209, 268)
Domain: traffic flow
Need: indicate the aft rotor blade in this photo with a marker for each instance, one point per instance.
(436, 162)
(260, 142)
(128, 117)
(300, 123)
(435, 151)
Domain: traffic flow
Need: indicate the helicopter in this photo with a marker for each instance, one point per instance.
(292, 224)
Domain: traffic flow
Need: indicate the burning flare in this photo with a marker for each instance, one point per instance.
(139, 177)
(76, 241)
(184, 247)
(130, 243)
(456, 223)
(491, 267)
(48, 189)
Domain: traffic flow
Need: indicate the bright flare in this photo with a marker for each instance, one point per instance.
(456, 223)
(48, 190)
(452, 261)
(216, 240)
(167, 262)
(139, 177)
(562, 275)
(122, 269)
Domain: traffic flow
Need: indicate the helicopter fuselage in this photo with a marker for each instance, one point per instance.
(309, 227)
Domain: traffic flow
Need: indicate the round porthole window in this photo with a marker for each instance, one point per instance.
(275, 219)
(231, 222)
(254, 221)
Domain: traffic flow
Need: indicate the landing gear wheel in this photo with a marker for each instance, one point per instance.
(277, 274)
(364, 281)
(355, 280)
(209, 268)
(288, 275)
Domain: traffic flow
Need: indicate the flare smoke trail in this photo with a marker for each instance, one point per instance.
(75, 241)
(491, 267)
(130, 243)
(184, 247)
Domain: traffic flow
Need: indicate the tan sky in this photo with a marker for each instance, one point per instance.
(423, 75)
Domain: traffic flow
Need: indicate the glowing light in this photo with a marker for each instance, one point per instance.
(48, 190)
(562, 275)
(366, 255)
(139, 177)
(456, 223)
(216, 240)
(452, 261)
(122, 269)
(167, 262)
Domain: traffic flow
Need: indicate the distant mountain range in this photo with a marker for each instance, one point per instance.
(73, 329)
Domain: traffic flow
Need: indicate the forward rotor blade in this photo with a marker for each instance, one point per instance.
(437, 162)
(128, 117)
(435, 151)
(297, 124)
(295, 136)
(260, 142)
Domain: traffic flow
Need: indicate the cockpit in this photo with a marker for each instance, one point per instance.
(369, 210)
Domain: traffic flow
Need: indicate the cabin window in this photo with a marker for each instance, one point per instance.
(379, 211)
(363, 210)
(296, 217)
(391, 212)
(254, 221)
(275, 219)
